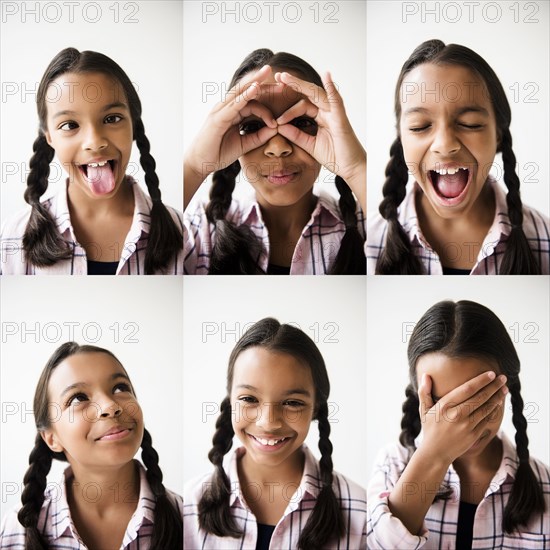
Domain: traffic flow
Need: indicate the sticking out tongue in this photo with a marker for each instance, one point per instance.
(450, 186)
(101, 179)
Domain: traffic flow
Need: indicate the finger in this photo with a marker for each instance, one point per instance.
(468, 389)
(425, 394)
(254, 108)
(490, 409)
(314, 93)
(333, 95)
(304, 107)
(259, 76)
(485, 394)
(299, 138)
(257, 139)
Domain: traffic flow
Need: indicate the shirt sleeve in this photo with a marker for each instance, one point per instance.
(384, 530)
(12, 533)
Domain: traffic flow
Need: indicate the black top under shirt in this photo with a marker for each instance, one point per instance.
(453, 271)
(264, 536)
(465, 527)
(273, 269)
(101, 268)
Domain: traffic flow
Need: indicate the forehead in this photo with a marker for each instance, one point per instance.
(87, 367)
(269, 370)
(443, 87)
(77, 91)
(448, 373)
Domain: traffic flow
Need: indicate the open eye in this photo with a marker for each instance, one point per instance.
(250, 126)
(112, 119)
(76, 398)
(123, 387)
(294, 403)
(306, 124)
(68, 126)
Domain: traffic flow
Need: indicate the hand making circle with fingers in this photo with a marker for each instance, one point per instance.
(335, 144)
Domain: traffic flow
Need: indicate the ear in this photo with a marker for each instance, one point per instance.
(48, 137)
(51, 441)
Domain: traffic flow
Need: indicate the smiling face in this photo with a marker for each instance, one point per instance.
(90, 128)
(449, 136)
(95, 417)
(447, 373)
(281, 172)
(272, 400)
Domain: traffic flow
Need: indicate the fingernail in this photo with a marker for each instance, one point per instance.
(502, 378)
(505, 390)
(491, 375)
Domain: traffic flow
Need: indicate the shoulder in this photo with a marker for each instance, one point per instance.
(348, 491)
(195, 487)
(238, 212)
(12, 533)
(14, 226)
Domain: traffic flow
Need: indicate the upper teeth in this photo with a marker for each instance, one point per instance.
(451, 171)
(96, 164)
(270, 442)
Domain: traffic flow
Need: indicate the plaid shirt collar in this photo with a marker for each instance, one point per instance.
(63, 523)
(309, 483)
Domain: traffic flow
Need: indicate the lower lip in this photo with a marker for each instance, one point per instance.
(115, 436)
(454, 201)
(268, 448)
(281, 180)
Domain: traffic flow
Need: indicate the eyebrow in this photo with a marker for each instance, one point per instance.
(294, 391)
(461, 111)
(113, 376)
(115, 105)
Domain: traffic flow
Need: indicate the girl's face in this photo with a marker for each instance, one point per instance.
(94, 415)
(281, 172)
(447, 373)
(449, 136)
(272, 400)
(90, 127)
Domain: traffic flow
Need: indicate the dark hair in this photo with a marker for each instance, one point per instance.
(397, 256)
(468, 329)
(42, 241)
(167, 529)
(325, 521)
(237, 250)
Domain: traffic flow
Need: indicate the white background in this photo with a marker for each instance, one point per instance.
(517, 52)
(153, 308)
(395, 304)
(146, 43)
(216, 305)
(215, 44)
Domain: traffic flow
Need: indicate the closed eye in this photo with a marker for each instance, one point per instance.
(471, 126)
(417, 129)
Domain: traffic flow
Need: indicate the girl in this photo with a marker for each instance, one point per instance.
(452, 118)
(86, 413)
(464, 485)
(273, 493)
(278, 124)
(89, 115)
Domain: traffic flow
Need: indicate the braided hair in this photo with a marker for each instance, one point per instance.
(397, 256)
(326, 521)
(42, 242)
(468, 329)
(237, 250)
(168, 527)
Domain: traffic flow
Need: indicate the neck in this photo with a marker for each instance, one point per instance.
(488, 460)
(85, 207)
(102, 490)
(290, 471)
(286, 220)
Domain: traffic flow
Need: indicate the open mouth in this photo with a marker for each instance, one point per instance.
(269, 444)
(450, 184)
(100, 176)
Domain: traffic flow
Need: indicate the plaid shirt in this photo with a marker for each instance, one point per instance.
(57, 527)
(132, 257)
(535, 225)
(315, 251)
(439, 530)
(352, 500)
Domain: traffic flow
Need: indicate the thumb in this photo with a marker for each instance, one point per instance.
(425, 394)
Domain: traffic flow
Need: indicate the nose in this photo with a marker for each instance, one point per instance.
(277, 146)
(269, 417)
(445, 141)
(109, 407)
(94, 140)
